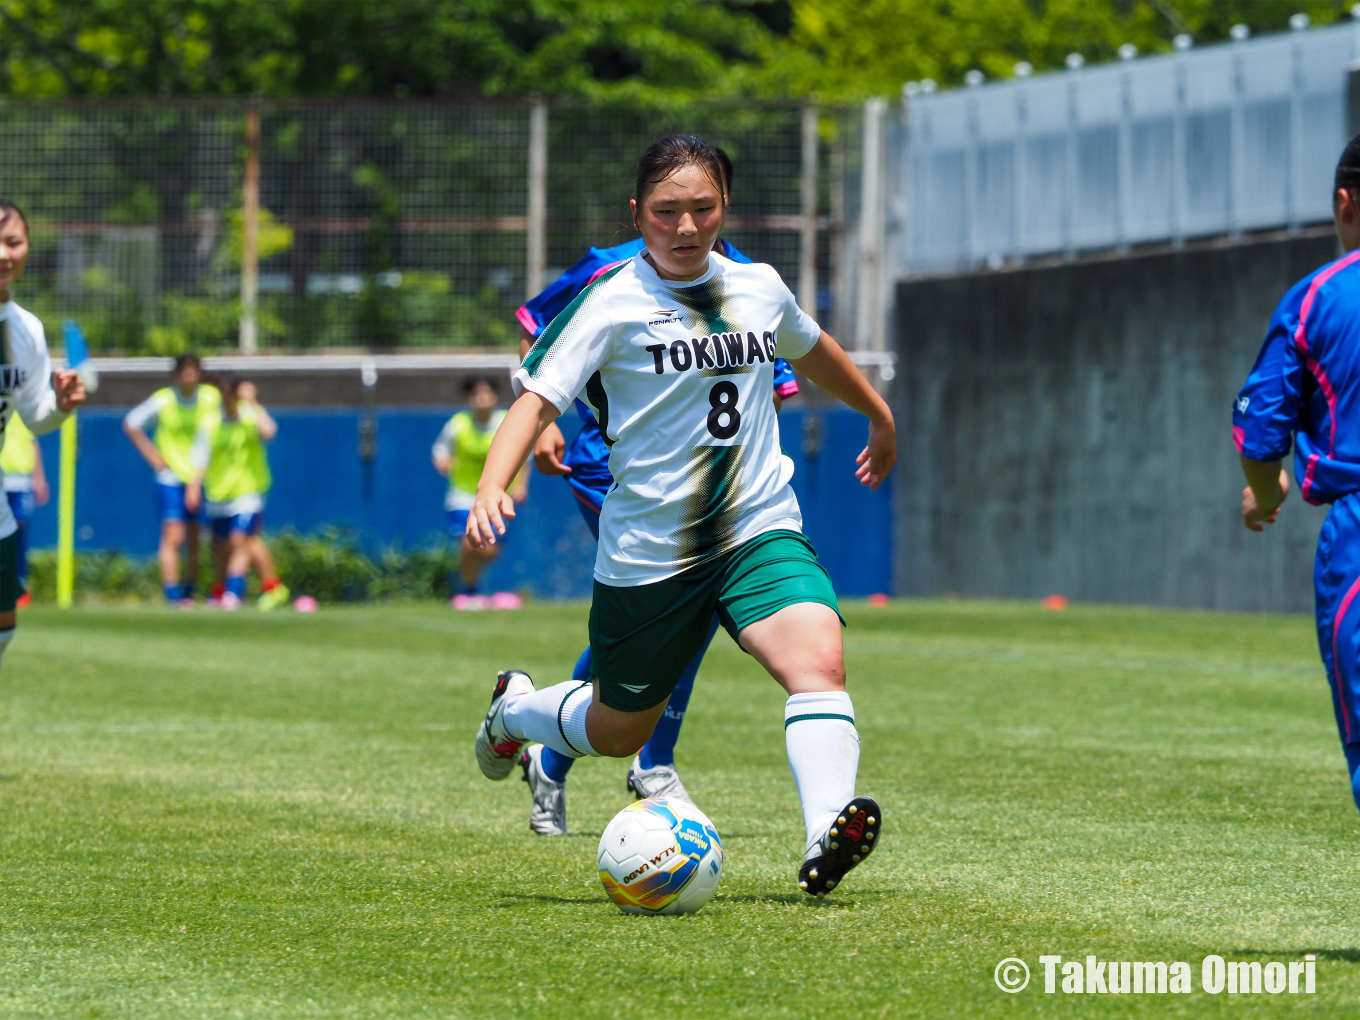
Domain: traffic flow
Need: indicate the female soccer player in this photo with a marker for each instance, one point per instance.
(459, 452)
(175, 413)
(1305, 388)
(585, 466)
(26, 385)
(232, 470)
(25, 488)
(674, 353)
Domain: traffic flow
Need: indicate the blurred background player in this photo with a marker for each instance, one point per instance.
(175, 414)
(459, 453)
(28, 385)
(1304, 391)
(231, 470)
(25, 489)
(585, 466)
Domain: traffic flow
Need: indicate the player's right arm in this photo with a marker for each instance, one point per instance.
(551, 446)
(528, 416)
(1265, 415)
(138, 420)
(564, 356)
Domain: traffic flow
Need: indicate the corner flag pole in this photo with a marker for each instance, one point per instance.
(77, 357)
(66, 516)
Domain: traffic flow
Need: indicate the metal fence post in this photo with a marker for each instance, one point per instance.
(1070, 164)
(807, 262)
(971, 247)
(1018, 248)
(1125, 162)
(1295, 133)
(1178, 157)
(536, 229)
(869, 328)
(1236, 144)
(250, 233)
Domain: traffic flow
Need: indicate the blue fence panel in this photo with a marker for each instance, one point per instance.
(319, 481)
(1241, 136)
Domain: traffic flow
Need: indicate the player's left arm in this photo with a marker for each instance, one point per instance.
(41, 493)
(265, 424)
(200, 455)
(830, 367)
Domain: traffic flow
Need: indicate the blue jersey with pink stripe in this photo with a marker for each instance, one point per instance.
(1305, 385)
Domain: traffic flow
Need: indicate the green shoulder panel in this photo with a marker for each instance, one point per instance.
(558, 326)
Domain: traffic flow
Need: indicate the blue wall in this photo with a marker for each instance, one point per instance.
(319, 480)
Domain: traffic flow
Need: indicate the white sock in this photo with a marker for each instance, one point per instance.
(823, 745)
(6, 636)
(555, 716)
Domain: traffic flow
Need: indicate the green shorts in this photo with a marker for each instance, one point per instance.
(643, 637)
(9, 573)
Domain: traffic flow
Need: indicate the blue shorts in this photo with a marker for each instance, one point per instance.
(1336, 586)
(246, 524)
(590, 480)
(171, 499)
(21, 504)
(457, 520)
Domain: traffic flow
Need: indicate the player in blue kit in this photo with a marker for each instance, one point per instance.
(585, 466)
(1305, 387)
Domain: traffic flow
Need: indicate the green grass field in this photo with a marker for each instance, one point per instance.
(280, 816)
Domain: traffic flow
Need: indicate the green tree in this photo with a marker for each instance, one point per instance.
(850, 49)
(604, 49)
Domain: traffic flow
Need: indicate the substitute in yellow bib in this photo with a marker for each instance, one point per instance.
(459, 453)
(231, 479)
(25, 487)
(173, 415)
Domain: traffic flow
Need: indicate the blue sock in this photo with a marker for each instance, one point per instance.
(188, 591)
(556, 766)
(173, 592)
(1353, 767)
(237, 586)
(660, 749)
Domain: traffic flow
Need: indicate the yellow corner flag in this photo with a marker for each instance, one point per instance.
(66, 516)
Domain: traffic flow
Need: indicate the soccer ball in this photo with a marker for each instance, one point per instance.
(660, 857)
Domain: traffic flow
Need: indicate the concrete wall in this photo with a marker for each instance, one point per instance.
(1066, 429)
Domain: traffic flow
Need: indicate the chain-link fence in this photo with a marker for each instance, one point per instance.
(377, 225)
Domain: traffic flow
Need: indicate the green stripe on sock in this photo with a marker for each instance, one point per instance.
(819, 715)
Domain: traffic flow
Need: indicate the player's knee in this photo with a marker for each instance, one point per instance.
(620, 743)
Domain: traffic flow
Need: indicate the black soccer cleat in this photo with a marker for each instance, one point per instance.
(851, 838)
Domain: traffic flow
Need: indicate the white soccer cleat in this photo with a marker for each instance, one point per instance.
(548, 816)
(657, 781)
(496, 749)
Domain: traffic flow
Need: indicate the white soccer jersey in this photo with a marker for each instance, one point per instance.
(25, 383)
(679, 375)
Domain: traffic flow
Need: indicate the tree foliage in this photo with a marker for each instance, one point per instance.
(647, 51)
(855, 48)
(597, 48)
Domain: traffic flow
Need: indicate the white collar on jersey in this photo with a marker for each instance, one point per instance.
(649, 273)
